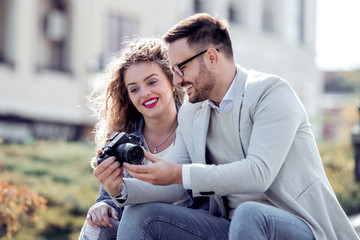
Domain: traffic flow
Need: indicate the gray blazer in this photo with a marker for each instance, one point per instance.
(281, 155)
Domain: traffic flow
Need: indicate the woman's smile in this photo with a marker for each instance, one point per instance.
(150, 103)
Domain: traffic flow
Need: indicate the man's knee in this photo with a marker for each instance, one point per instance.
(248, 221)
(248, 214)
(248, 210)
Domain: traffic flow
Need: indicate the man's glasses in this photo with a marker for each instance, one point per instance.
(177, 68)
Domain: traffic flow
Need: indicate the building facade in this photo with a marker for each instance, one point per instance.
(52, 53)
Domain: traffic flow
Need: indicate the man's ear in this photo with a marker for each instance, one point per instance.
(213, 58)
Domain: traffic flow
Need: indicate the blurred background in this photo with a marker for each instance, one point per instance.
(52, 53)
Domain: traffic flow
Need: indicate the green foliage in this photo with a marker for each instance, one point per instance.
(339, 165)
(61, 173)
(338, 159)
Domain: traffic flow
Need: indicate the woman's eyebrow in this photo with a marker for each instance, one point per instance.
(146, 78)
(153, 74)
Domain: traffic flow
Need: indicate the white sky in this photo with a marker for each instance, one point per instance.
(338, 34)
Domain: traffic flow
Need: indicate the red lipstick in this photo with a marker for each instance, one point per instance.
(150, 103)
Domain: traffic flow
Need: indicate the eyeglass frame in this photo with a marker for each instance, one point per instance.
(177, 67)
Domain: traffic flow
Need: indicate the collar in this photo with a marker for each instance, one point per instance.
(227, 101)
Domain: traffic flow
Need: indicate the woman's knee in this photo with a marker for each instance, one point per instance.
(141, 212)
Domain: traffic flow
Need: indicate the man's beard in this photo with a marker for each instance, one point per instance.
(202, 93)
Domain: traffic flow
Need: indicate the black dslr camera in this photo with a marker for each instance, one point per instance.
(120, 146)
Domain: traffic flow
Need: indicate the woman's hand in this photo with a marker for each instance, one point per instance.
(99, 215)
(110, 175)
(161, 172)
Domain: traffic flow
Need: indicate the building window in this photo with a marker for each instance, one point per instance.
(267, 18)
(198, 6)
(7, 27)
(301, 21)
(55, 40)
(233, 16)
(236, 12)
(119, 29)
(268, 15)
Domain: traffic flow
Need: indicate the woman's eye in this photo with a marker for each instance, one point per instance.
(152, 82)
(133, 89)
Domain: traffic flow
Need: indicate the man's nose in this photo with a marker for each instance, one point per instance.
(177, 80)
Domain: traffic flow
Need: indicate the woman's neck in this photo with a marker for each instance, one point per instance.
(159, 132)
(161, 125)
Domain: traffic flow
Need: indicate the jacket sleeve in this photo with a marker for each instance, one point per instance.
(143, 192)
(271, 116)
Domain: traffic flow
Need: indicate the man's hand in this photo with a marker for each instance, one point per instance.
(99, 215)
(110, 175)
(161, 172)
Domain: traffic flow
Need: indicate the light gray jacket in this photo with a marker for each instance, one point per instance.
(281, 155)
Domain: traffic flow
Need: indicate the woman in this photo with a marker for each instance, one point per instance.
(140, 99)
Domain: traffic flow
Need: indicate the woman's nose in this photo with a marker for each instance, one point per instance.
(145, 92)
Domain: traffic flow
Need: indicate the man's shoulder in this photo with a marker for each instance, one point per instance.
(259, 81)
(189, 109)
(256, 77)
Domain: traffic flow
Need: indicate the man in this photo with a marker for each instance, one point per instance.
(251, 150)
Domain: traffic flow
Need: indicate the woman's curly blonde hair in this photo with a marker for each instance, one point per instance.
(110, 101)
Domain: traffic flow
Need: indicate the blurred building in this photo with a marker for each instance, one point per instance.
(51, 52)
(338, 104)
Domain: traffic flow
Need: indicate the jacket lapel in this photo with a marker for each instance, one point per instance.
(200, 129)
(239, 90)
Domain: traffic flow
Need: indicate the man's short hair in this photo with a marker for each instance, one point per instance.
(202, 31)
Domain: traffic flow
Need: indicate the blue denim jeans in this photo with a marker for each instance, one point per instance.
(253, 220)
(250, 221)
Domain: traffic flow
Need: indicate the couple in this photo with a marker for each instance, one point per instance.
(244, 163)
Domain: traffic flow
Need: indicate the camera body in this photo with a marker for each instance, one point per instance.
(122, 149)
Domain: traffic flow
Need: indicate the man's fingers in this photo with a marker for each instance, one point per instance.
(137, 171)
(137, 168)
(144, 173)
(150, 157)
(142, 176)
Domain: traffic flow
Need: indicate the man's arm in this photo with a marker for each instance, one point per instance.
(161, 172)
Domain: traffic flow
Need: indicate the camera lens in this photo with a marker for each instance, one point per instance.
(131, 153)
(135, 155)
